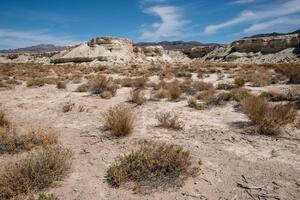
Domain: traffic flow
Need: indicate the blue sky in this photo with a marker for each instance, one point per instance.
(63, 22)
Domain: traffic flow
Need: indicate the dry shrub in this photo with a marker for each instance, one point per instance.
(225, 86)
(261, 77)
(269, 119)
(161, 93)
(201, 86)
(291, 71)
(102, 84)
(192, 103)
(135, 82)
(174, 91)
(153, 162)
(239, 82)
(83, 87)
(169, 120)
(137, 96)
(40, 197)
(13, 142)
(120, 120)
(207, 95)
(273, 95)
(3, 120)
(35, 82)
(34, 172)
(61, 85)
(67, 107)
(239, 94)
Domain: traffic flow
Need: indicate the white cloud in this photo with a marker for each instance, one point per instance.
(13, 38)
(269, 24)
(171, 23)
(287, 8)
(243, 1)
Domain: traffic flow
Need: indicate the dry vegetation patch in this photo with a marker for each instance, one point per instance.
(268, 118)
(36, 171)
(13, 142)
(152, 162)
(169, 120)
(137, 96)
(120, 120)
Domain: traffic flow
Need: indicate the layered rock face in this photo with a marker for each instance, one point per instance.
(201, 51)
(266, 45)
(100, 49)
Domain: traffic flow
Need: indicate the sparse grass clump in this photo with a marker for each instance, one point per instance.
(40, 197)
(61, 85)
(268, 118)
(13, 142)
(120, 120)
(239, 94)
(169, 120)
(239, 82)
(67, 107)
(35, 82)
(152, 162)
(3, 120)
(102, 84)
(192, 103)
(201, 86)
(83, 87)
(225, 86)
(292, 72)
(174, 91)
(34, 172)
(137, 96)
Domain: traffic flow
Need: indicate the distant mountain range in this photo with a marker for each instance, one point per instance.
(273, 34)
(42, 48)
(175, 45)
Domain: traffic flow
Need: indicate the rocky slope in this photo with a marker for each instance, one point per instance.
(42, 48)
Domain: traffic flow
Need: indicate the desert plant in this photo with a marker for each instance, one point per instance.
(192, 103)
(3, 120)
(201, 86)
(292, 72)
(169, 120)
(40, 197)
(174, 91)
(239, 82)
(269, 119)
(102, 84)
(67, 107)
(239, 94)
(13, 142)
(34, 172)
(137, 96)
(261, 77)
(225, 86)
(83, 87)
(35, 82)
(161, 93)
(120, 120)
(61, 85)
(151, 162)
(207, 95)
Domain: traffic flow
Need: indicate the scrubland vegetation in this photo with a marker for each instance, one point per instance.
(156, 103)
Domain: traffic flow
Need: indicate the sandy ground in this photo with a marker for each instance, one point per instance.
(216, 136)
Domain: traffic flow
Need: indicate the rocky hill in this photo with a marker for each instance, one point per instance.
(263, 48)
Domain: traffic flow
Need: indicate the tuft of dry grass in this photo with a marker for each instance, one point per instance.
(239, 94)
(137, 96)
(174, 91)
(120, 120)
(67, 107)
(268, 118)
(161, 93)
(192, 103)
(83, 87)
(225, 86)
(3, 120)
(152, 162)
(102, 84)
(40, 197)
(169, 120)
(34, 172)
(13, 142)
(35, 82)
(207, 95)
(239, 82)
(201, 86)
(61, 85)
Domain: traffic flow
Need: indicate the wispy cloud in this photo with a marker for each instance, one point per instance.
(269, 24)
(243, 1)
(170, 24)
(13, 38)
(287, 8)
